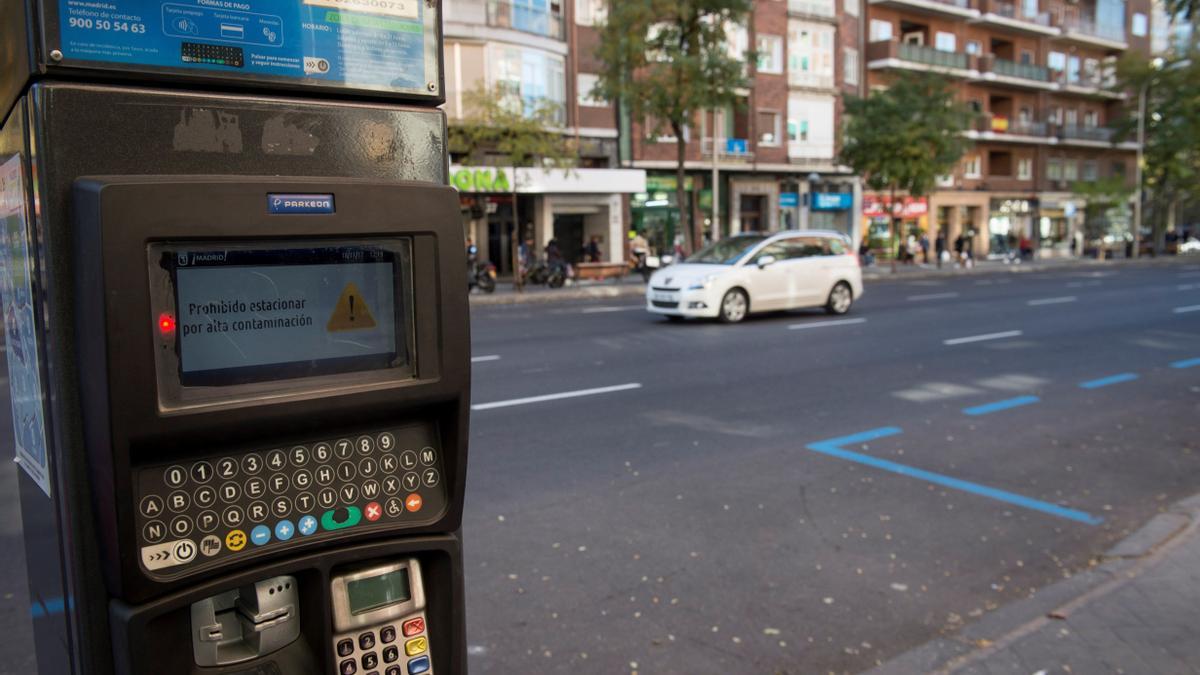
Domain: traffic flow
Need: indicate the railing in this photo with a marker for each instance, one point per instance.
(526, 17)
(727, 148)
(1024, 71)
(1102, 134)
(1003, 125)
(1088, 26)
(824, 9)
(1028, 129)
(1010, 11)
(931, 57)
(813, 80)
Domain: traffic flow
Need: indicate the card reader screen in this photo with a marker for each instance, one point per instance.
(365, 595)
(256, 313)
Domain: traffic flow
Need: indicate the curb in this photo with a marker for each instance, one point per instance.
(1120, 564)
(560, 295)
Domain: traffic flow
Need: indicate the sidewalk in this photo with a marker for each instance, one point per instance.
(1136, 612)
(631, 286)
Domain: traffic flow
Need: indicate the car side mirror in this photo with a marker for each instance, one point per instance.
(765, 260)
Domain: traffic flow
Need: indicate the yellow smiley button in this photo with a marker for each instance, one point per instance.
(416, 646)
(235, 540)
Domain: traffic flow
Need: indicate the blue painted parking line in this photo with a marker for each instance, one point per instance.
(1001, 405)
(832, 448)
(1186, 363)
(1106, 381)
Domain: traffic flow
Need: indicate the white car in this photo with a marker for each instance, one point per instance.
(760, 273)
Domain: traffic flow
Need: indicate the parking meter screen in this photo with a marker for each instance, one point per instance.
(249, 314)
(372, 593)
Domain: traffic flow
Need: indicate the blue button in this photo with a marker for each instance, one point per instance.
(260, 535)
(418, 665)
(308, 525)
(284, 530)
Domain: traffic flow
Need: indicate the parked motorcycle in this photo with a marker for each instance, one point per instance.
(482, 277)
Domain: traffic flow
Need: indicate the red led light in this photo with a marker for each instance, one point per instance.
(166, 323)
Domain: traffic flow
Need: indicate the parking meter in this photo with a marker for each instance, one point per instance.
(237, 335)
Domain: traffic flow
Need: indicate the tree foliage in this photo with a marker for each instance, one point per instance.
(500, 129)
(1188, 9)
(668, 60)
(901, 139)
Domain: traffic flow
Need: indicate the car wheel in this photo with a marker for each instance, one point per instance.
(840, 299)
(734, 306)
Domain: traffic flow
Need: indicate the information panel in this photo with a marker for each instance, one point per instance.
(372, 44)
(251, 314)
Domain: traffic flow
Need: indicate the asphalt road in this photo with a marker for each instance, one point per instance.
(715, 507)
(791, 495)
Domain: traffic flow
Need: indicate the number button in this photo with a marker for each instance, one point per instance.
(252, 463)
(346, 471)
(257, 512)
(175, 476)
(370, 660)
(299, 456)
(430, 478)
(305, 502)
(151, 506)
(207, 521)
(179, 501)
(366, 641)
(302, 479)
(365, 445)
(233, 516)
(367, 468)
(202, 472)
(279, 483)
(276, 460)
(408, 460)
(412, 481)
(327, 498)
(386, 441)
(205, 497)
(343, 448)
(428, 456)
(181, 526)
(388, 463)
(387, 635)
(154, 532)
(256, 487)
(322, 452)
(345, 647)
(282, 506)
(230, 492)
(324, 475)
(227, 468)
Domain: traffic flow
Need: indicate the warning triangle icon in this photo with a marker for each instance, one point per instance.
(351, 312)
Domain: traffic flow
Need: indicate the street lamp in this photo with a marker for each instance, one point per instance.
(1156, 64)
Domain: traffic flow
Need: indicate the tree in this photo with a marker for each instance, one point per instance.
(1171, 153)
(904, 137)
(1103, 197)
(667, 61)
(1188, 9)
(500, 128)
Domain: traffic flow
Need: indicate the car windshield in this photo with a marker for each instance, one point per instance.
(727, 251)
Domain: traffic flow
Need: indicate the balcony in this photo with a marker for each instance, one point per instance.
(989, 127)
(959, 9)
(995, 70)
(890, 54)
(528, 16)
(810, 80)
(1085, 31)
(1088, 84)
(732, 150)
(1002, 14)
(1096, 134)
(813, 9)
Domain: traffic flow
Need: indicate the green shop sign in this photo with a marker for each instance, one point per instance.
(480, 180)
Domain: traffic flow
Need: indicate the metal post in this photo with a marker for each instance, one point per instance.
(716, 177)
(1137, 204)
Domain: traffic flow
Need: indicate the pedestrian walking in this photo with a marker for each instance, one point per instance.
(939, 247)
(924, 248)
(593, 249)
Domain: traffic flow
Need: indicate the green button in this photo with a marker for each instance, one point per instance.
(353, 516)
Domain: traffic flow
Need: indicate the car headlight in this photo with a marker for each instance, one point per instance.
(703, 284)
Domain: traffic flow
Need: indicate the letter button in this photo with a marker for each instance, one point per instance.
(388, 463)
(408, 460)
(151, 506)
(175, 476)
(154, 532)
(367, 467)
(391, 485)
(207, 521)
(179, 501)
(282, 506)
(230, 492)
(412, 481)
(181, 526)
(324, 475)
(279, 483)
(205, 497)
(302, 479)
(346, 471)
(327, 497)
(430, 478)
(257, 512)
(233, 516)
(305, 502)
(428, 456)
(256, 487)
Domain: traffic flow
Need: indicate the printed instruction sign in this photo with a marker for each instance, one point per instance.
(377, 44)
(252, 316)
(21, 336)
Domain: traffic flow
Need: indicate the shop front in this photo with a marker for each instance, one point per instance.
(655, 211)
(502, 206)
(877, 214)
(1058, 226)
(1010, 223)
(832, 211)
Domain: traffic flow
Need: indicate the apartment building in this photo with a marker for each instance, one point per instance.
(1039, 78)
(771, 155)
(537, 51)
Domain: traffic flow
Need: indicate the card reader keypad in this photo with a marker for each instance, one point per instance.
(218, 507)
(397, 648)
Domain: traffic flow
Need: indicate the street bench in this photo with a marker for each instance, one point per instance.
(603, 270)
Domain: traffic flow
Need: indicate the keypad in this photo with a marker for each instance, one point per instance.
(233, 503)
(400, 648)
(214, 55)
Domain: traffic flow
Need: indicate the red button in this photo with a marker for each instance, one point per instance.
(373, 511)
(413, 627)
(413, 502)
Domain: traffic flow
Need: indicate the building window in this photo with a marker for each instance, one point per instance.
(1054, 169)
(975, 105)
(770, 54)
(974, 47)
(1070, 170)
(1140, 25)
(972, 167)
(1056, 115)
(1024, 116)
(1073, 69)
(810, 54)
(1026, 57)
(590, 12)
(1091, 71)
(851, 7)
(1056, 61)
(946, 42)
(768, 128)
(1025, 169)
(810, 126)
(1072, 118)
(850, 65)
(1118, 169)
(880, 30)
(1090, 170)
(584, 84)
(1029, 8)
(1091, 119)
(528, 77)
(543, 17)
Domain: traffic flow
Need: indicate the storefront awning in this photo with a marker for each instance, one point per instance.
(506, 179)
